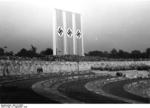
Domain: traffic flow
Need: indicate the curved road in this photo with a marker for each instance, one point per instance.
(76, 90)
(21, 92)
(116, 88)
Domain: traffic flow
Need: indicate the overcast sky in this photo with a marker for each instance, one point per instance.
(107, 24)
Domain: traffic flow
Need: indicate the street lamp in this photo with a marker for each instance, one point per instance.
(78, 70)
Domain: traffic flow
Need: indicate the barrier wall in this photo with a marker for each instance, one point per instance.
(16, 67)
(30, 67)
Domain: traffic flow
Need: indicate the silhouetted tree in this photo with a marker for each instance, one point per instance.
(1, 51)
(123, 54)
(113, 53)
(23, 53)
(9, 53)
(126, 55)
(32, 52)
(95, 53)
(106, 54)
(46, 52)
(136, 54)
(86, 54)
(147, 53)
(33, 49)
(28, 53)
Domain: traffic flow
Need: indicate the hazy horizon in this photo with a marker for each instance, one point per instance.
(107, 24)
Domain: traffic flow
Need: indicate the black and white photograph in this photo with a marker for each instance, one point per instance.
(74, 52)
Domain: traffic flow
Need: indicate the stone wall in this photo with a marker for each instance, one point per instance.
(16, 67)
(30, 67)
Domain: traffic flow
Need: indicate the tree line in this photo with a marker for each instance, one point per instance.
(32, 52)
(134, 54)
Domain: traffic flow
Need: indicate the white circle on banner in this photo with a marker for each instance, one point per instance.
(60, 31)
(78, 34)
(69, 32)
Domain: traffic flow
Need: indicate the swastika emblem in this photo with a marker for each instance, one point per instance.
(60, 31)
(78, 34)
(69, 32)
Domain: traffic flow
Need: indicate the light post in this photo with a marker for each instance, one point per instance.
(5, 51)
(78, 60)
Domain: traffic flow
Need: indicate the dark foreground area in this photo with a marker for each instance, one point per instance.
(21, 92)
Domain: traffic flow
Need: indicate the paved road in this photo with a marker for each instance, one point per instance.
(21, 92)
(116, 88)
(76, 90)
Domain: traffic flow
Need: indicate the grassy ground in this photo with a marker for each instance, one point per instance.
(140, 88)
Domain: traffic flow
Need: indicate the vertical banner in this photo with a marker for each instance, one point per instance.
(69, 33)
(78, 35)
(59, 32)
(74, 33)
